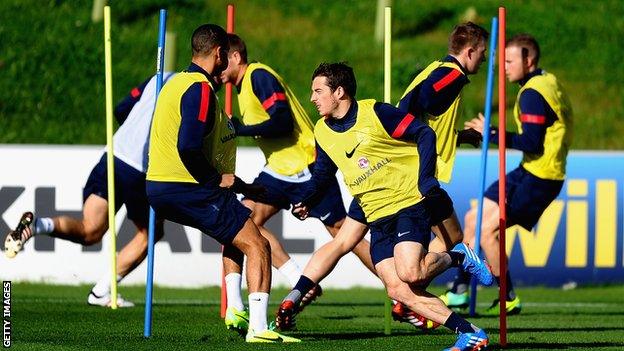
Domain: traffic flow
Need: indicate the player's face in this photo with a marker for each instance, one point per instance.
(221, 61)
(231, 72)
(476, 58)
(322, 97)
(514, 64)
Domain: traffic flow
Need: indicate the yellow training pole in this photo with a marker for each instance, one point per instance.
(110, 157)
(387, 86)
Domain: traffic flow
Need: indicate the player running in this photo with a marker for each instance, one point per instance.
(190, 175)
(387, 158)
(543, 115)
(434, 96)
(273, 116)
(130, 142)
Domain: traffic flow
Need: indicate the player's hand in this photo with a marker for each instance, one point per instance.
(254, 192)
(300, 211)
(476, 123)
(227, 180)
(469, 136)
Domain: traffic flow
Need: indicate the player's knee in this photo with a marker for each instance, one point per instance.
(260, 244)
(92, 236)
(89, 240)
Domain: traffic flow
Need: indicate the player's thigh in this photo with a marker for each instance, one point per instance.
(449, 231)
(387, 273)
(262, 212)
(350, 234)
(334, 229)
(408, 256)
(249, 240)
(491, 217)
(95, 215)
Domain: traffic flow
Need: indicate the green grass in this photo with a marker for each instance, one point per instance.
(47, 317)
(51, 54)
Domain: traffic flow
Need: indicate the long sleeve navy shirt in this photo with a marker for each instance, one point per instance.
(271, 94)
(535, 115)
(437, 92)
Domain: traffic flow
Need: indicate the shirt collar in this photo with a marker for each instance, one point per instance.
(526, 78)
(450, 58)
(195, 68)
(343, 124)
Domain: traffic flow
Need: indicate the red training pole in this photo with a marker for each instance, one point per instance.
(228, 111)
(501, 176)
(228, 86)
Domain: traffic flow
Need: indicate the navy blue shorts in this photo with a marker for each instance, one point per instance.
(213, 210)
(356, 212)
(439, 206)
(282, 194)
(527, 196)
(409, 224)
(129, 189)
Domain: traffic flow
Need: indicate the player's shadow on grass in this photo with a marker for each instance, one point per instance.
(351, 335)
(541, 313)
(560, 346)
(349, 304)
(557, 329)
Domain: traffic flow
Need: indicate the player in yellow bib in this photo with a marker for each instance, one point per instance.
(543, 116)
(387, 158)
(190, 175)
(435, 96)
(272, 115)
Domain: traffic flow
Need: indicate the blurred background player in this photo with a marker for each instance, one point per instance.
(130, 143)
(190, 175)
(273, 116)
(434, 97)
(387, 158)
(543, 115)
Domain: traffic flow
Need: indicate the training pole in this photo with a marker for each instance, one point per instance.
(484, 152)
(502, 127)
(149, 283)
(228, 111)
(110, 157)
(387, 97)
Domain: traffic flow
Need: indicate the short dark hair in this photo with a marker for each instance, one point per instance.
(338, 75)
(466, 35)
(527, 43)
(237, 44)
(207, 37)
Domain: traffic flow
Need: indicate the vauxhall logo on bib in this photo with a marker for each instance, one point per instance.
(363, 162)
(369, 168)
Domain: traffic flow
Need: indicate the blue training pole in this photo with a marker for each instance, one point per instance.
(149, 283)
(484, 153)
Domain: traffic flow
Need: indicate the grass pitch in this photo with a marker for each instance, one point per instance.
(47, 317)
